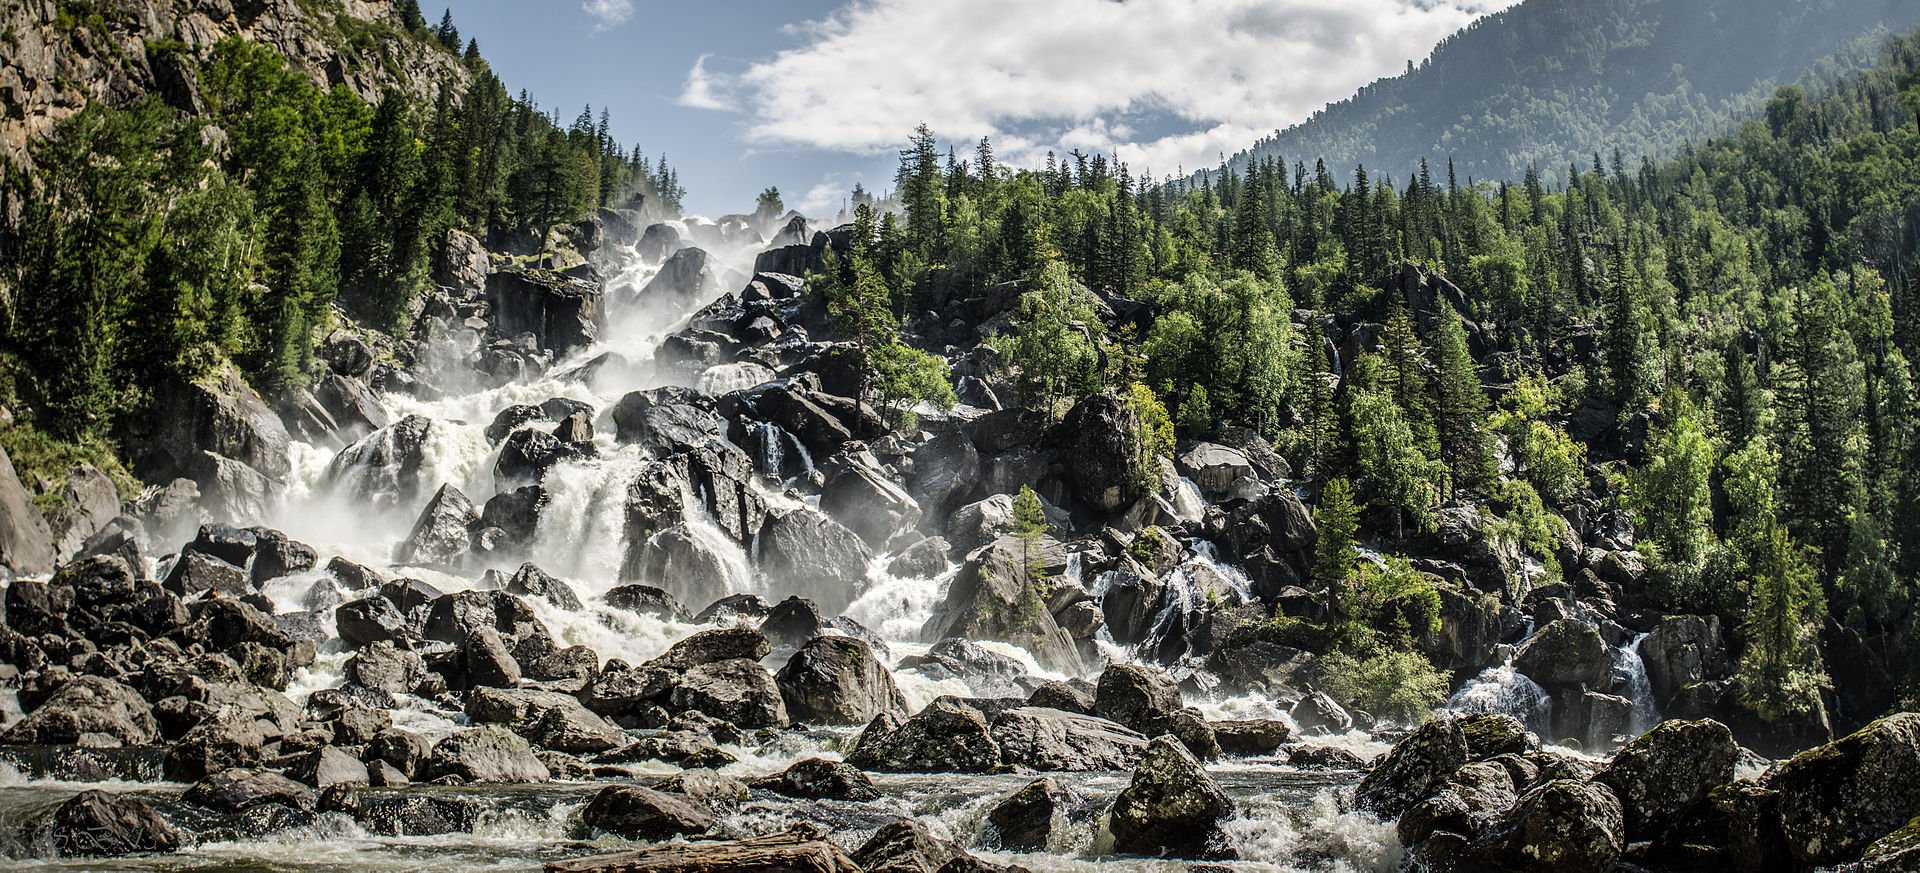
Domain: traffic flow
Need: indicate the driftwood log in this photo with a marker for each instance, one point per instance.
(799, 849)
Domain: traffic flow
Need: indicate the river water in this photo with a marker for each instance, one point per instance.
(1287, 820)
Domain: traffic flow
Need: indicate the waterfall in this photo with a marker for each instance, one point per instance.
(727, 378)
(1503, 689)
(1188, 505)
(1639, 689)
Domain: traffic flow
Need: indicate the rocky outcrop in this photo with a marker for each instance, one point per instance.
(815, 556)
(1838, 799)
(100, 824)
(218, 433)
(1662, 776)
(1567, 653)
(563, 313)
(26, 543)
(1030, 819)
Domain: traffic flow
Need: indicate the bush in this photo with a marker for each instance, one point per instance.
(1394, 685)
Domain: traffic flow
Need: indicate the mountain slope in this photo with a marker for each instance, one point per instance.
(1549, 82)
(63, 54)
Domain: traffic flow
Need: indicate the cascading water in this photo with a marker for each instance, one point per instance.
(1639, 689)
(1503, 689)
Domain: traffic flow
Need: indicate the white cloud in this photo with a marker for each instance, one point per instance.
(824, 199)
(706, 90)
(608, 13)
(1165, 83)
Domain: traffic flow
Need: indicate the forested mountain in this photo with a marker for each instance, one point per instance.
(190, 186)
(1550, 82)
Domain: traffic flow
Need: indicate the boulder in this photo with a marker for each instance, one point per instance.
(369, 620)
(1660, 777)
(1099, 438)
(548, 719)
(1030, 819)
(418, 815)
(527, 455)
(1681, 652)
(1064, 696)
(1318, 713)
(692, 568)
(89, 711)
(383, 666)
(946, 471)
(636, 813)
(384, 469)
(1466, 804)
(1415, 768)
(276, 555)
(908, 847)
(737, 690)
(666, 421)
(792, 622)
(994, 597)
(531, 581)
(837, 680)
(486, 661)
(1051, 739)
(563, 313)
(985, 672)
(713, 646)
(237, 789)
(88, 502)
(101, 824)
(708, 787)
(815, 556)
(461, 264)
(867, 503)
(196, 573)
(1251, 737)
(1567, 653)
(1137, 696)
(219, 416)
(947, 736)
(485, 754)
(1219, 472)
(328, 766)
(820, 779)
(1838, 799)
(799, 849)
(1563, 824)
(685, 278)
(441, 534)
(1171, 808)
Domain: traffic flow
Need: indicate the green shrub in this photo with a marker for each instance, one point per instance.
(1394, 685)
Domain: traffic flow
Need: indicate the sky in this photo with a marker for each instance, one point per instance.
(813, 96)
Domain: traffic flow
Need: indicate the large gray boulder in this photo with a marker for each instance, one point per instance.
(1415, 768)
(1172, 808)
(815, 557)
(219, 415)
(26, 544)
(1030, 819)
(1838, 799)
(1567, 654)
(563, 313)
(100, 824)
(996, 597)
(637, 813)
(386, 468)
(1660, 777)
(485, 755)
(443, 531)
(837, 680)
(947, 736)
(1100, 441)
(1681, 652)
(88, 502)
(666, 421)
(738, 691)
(1564, 825)
(1050, 739)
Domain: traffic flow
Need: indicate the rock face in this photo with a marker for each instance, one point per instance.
(1836, 800)
(836, 680)
(220, 434)
(563, 313)
(1564, 824)
(816, 556)
(26, 544)
(1171, 808)
(98, 824)
(994, 598)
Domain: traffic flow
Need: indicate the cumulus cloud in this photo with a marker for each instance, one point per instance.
(608, 13)
(1164, 83)
(706, 90)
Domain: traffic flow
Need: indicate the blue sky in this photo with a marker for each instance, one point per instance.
(815, 95)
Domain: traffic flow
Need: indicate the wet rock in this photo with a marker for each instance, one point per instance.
(734, 608)
(1681, 652)
(485, 754)
(511, 419)
(867, 503)
(1896, 852)
(441, 534)
(712, 646)
(1561, 825)
(1099, 440)
(194, 574)
(1566, 653)
(818, 779)
(237, 789)
(1660, 777)
(212, 747)
(1251, 737)
(1136, 696)
(548, 719)
(1029, 819)
(1466, 804)
(100, 824)
(527, 455)
(90, 711)
(328, 766)
(800, 849)
(384, 469)
(219, 416)
(738, 691)
(793, 622)
(907, 847)
(383, 666)
(1062, 696)
(837, 680)
(1318, 713)
(531, 581)
(994, 597)
(452, 618)
(563, 313)
(405, 750)
(88, 503)
(708, 787)
(985, 672)
(947, 736)
(275, 555)
(418, 815)
(354, 577)
(646, 600)
(1050, 739)
(946, 471)
(637, 813)
(694, 568)
(1171, 808)
(666, 421)
(486, 660)
(677, 747)
(815, 556)
(369, 620)
(922, 560)
(1219, 471)
(1324, 758)
(1415, 768)
(1838, 799)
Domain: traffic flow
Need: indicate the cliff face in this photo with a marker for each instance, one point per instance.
(62, 54)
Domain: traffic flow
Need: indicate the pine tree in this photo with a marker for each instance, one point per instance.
(410, 16)
(1461, 407)
(1672, 502)
(448, 35)
(1780, 674)
(1337, 518)
(1628, 327)
(1029, 526)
